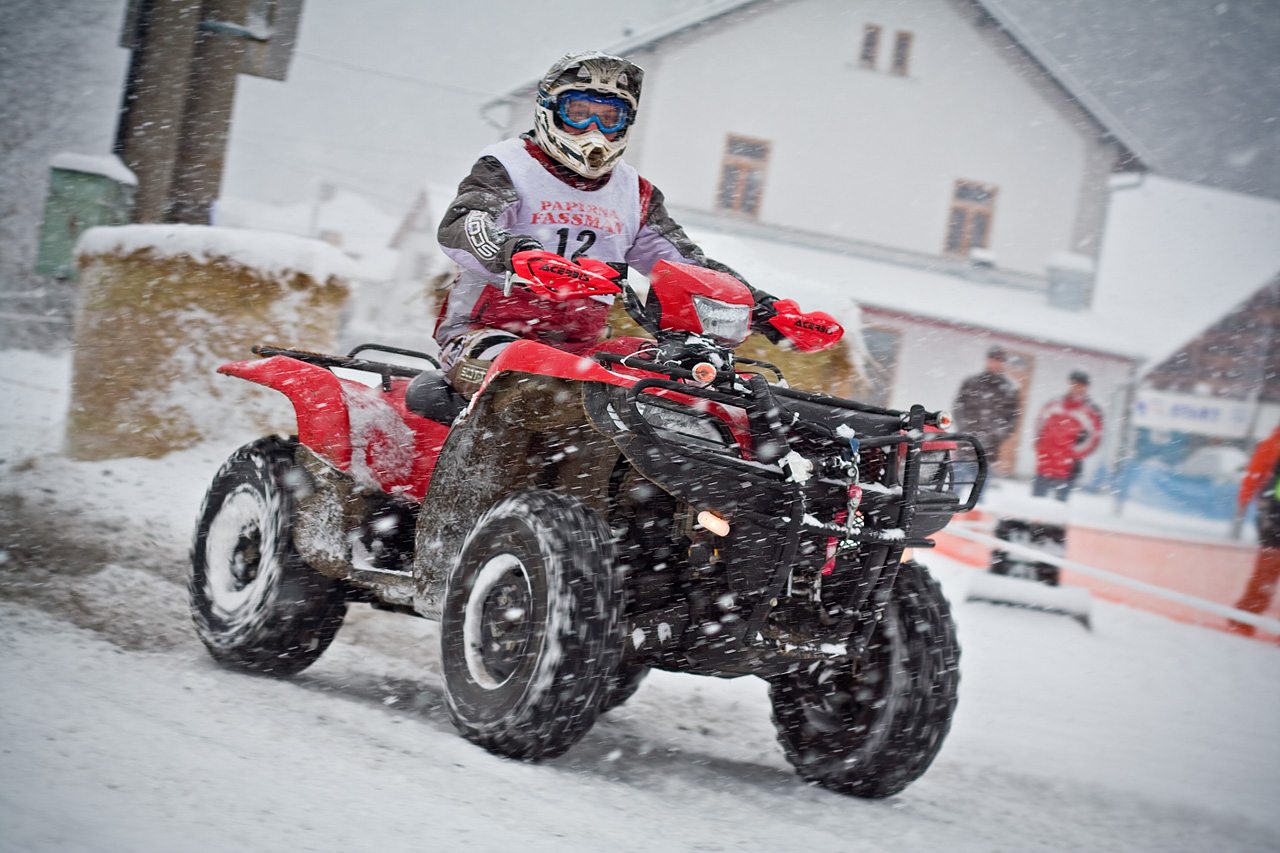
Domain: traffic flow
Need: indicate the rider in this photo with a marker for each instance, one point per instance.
(562, 188)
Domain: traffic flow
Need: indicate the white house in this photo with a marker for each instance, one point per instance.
(912, 131)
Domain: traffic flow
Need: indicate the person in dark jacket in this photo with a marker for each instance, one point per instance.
(1068, 430)
(987, 405)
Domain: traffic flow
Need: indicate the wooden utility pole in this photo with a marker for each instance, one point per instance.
(163, 43)
(206, 123)
(176, 115)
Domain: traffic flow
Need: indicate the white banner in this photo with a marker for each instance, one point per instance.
(1210, 416)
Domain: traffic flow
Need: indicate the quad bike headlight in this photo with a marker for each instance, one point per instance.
(682, 422)
(935, 470)
(728, 324)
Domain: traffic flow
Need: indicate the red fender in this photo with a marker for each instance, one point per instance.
(380, 450)
(525, 356)
(316, 394)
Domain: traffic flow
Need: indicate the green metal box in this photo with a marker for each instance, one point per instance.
(84, 192)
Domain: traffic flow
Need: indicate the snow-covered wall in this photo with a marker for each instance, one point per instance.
(1178, 257)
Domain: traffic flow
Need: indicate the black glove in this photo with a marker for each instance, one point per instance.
(518, 243)
(761, 313)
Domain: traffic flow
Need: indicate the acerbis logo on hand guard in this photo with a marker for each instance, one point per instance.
(569, 272)
(812, 326)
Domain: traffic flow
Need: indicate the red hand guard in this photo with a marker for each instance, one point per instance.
(556, 277)
(812, 332)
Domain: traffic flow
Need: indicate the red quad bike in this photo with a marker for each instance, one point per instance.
(655, 503)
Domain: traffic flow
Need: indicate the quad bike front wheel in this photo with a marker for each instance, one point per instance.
(531, 628)
(872, 728)
(623, 685)
(256, 604)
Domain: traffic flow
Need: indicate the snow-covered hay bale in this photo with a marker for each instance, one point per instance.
(163, 306)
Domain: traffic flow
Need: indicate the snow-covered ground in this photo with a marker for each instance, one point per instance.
(119, 733)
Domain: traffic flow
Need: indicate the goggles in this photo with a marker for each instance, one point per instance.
(580, 110)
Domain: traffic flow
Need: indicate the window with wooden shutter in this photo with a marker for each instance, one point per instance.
(742, 175)
(969, 223)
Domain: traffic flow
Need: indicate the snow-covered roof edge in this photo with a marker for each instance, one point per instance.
(818, 277)
(108, 165)
(1157, 360)
(271, 254)
(1076, 90)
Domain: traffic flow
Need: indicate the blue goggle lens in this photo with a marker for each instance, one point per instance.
(580, 110)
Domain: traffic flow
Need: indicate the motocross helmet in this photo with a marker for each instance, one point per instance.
(595, 94)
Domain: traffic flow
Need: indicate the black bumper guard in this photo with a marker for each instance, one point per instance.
(753, 492)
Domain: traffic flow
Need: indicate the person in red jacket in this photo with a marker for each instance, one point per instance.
(1259, 479)
(1068, 430)
(1262, 480)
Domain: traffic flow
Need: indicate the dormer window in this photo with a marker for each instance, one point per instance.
(901, 53)
(870, 46)
(869, 51)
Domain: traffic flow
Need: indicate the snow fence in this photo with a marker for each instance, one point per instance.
(161, 307)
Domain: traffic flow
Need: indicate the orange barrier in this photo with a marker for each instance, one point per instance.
(1218, 572)
(1214, 571)
(971, 553)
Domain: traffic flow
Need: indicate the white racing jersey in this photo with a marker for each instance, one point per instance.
(516, 190)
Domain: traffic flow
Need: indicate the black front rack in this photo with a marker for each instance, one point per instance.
(913, 438)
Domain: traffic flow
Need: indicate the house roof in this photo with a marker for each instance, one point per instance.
(1194, 83)
(1178, 256)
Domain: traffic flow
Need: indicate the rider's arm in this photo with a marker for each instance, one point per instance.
(661, 238)
(474, 231)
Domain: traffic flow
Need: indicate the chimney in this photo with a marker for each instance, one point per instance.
(1070, 281)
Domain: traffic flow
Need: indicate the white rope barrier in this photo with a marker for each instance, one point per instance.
(34, 318)
(1266, 624)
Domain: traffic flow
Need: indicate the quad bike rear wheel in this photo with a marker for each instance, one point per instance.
(872, 730)
(531, 628)
(256, 605)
